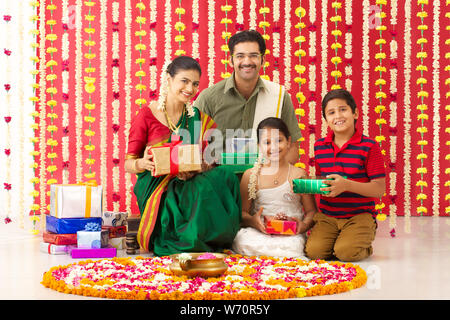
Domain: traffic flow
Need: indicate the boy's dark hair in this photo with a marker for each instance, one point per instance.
(338, 94)
(273, 123)
(247, 36)
(183, 63)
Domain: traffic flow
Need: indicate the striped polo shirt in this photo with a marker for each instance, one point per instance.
(359, 159)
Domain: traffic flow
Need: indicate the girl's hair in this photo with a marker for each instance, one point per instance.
(273, 123)
(183, 63)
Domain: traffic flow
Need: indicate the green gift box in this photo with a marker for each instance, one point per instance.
(238, 158)
(310, 185)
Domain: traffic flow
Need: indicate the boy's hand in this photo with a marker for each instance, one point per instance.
(336, 186)
(301, 226)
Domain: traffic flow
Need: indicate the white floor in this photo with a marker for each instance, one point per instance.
(410, 266)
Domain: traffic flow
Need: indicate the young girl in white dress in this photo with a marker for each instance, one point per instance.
(266, 191)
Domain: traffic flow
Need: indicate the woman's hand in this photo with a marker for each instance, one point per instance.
(146, 162)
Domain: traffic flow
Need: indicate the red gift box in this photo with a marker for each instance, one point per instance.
(286, 227)
(116, 232)
(59, 238)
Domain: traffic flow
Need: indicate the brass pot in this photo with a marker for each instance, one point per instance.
(199, 268)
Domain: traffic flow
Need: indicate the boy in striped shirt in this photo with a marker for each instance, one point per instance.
(345, 226)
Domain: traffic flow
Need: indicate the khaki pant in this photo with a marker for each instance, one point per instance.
(347, 239)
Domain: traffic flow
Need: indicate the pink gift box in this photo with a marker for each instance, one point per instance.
(287, 227)
(108, 252)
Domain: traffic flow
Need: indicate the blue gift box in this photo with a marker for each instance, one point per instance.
(68, 225)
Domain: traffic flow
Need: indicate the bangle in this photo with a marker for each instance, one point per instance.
(136, 166)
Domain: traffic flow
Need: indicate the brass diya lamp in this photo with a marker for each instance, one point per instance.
(199, 264)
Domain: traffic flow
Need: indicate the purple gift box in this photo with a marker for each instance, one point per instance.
(108, 252)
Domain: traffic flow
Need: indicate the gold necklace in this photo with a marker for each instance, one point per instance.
(172, 127)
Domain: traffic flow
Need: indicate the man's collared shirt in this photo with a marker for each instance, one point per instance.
(230, 110)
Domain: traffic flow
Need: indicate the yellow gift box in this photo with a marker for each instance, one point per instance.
(82, 200)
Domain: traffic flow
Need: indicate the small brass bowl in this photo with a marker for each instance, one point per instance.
(199, 268)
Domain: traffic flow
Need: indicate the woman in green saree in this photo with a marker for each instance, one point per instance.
(191, 211)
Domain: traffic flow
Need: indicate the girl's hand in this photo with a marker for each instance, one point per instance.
(257, 223)
(336, 186)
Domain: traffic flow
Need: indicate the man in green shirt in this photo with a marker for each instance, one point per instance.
(232, 103)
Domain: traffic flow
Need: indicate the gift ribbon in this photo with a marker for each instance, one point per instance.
(89, 184)
(174, 161)
(92, 226)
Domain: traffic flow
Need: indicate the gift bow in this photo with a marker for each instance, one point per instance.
(174, 161)
(92, 226)
(90, 183)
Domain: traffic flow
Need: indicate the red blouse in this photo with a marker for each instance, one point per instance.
(145, 130)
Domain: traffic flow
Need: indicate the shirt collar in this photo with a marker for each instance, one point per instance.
(356, 138)
(229, 84)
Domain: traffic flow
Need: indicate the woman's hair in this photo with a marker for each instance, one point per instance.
(183, 63)
(338, 94)
(171, 69)
(247, 36)
(273, 123)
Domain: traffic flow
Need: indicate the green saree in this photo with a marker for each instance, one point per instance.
(199, 214)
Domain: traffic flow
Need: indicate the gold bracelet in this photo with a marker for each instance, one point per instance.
(135, 166)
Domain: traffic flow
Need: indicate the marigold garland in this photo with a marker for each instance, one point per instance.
(422, 107)
(336, 60)
(436, 112)
(42, 115)
(247, 278)
(90, 88)
(51, 101)
(264, 25)
(300, 12)
(348, 45)
(380, 94)
(180, 27)
(141, 47)
(226, 35)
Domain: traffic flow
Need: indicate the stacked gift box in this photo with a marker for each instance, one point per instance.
(75, 224)
(116, 225)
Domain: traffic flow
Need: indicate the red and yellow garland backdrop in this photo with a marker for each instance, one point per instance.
(98, 63)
